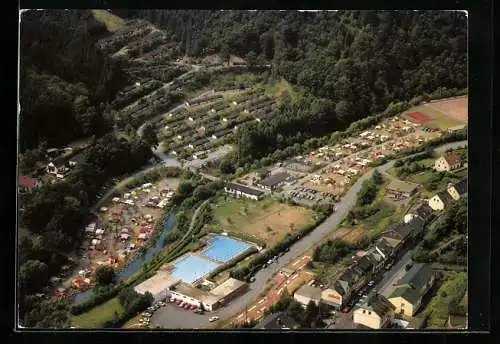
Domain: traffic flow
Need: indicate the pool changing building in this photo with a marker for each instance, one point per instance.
(210, 300)
(163, 285)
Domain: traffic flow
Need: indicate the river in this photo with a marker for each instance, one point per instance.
(136, 263)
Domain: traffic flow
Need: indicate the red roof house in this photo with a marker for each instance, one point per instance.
(26, 183)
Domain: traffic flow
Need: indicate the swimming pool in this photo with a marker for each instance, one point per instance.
(190, 268)
(223, 249)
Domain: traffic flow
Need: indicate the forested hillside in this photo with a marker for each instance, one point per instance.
(64, 79)
(355, 62)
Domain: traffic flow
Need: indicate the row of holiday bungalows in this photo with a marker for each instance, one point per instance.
(228, 88)
(204, 100)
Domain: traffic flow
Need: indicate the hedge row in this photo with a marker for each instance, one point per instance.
(231, 263)
(96, 300)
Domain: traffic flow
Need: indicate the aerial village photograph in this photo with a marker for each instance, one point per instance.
(257, 170)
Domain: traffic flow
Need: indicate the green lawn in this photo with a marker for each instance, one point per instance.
(453, 287)
(420, 177)
(97, 316)
(265, 221)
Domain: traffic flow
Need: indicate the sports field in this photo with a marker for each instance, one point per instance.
(267, 220)
(453, 107)
(441, 114)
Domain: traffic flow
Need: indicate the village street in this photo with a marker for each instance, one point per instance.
(167, 319)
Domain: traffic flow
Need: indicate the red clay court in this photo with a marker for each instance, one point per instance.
(418, 117)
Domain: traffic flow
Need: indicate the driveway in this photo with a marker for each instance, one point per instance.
(256, 288)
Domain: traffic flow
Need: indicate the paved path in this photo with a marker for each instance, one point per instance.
(191, 320)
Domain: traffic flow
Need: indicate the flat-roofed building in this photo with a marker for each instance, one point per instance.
(229, 290)
(159, 285)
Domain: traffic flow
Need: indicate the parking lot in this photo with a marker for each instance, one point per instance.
(309, 197)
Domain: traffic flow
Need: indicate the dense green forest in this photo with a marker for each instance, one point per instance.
(64, 79)
(350, 63)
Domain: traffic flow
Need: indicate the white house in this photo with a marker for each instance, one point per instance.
(239, 190)
(377, 313)
(448, 162)
(306, 294)
(440, 200)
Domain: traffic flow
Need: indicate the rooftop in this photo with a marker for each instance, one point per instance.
(277, 321)
(198, 294)
(402, 186)
(378, 304)
(309, 292)
(422, 209)
(27, 181)
(452, 158)
(275, 179)
(461, 186)
(445, 197)
(227, 287)
(410, 285)
(157, 283)
(244, 189)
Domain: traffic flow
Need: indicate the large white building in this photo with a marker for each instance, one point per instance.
(159, 285)
(239, 190)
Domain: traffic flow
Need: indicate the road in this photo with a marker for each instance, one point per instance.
(344, 321)
(165, 320)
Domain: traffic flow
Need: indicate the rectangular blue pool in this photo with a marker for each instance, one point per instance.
(189, 268)
(223, 249)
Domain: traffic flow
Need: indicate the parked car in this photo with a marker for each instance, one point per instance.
(371, 283)
(214, 318)
(198, 311)
(287, 249)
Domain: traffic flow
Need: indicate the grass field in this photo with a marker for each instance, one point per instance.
(113, 23)
(267, 220)
(97, 316)
(438, 119)
(420, 177)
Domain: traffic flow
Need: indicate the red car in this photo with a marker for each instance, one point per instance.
(346, 309)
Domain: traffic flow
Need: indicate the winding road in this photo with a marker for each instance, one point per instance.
(166, 318)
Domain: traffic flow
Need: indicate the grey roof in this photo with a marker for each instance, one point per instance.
(365, 263)
(308, 291)
(275, 179)
(401, 186)
(445, 197)
(404, 229)
(411, 283)
(277, 321)
(378, 304)
(422, 209)
(461, 186)
(384, 246)
(245, 189)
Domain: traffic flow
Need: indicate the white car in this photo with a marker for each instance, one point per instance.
(214, 318)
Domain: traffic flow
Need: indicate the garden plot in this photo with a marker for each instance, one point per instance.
(354, 236)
